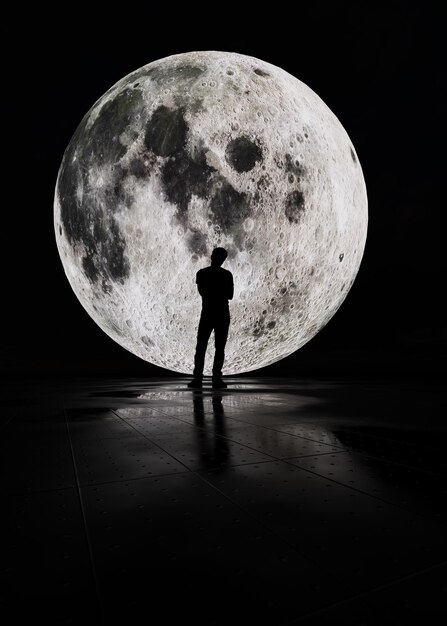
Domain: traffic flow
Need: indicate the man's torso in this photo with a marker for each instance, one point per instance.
(215, 286)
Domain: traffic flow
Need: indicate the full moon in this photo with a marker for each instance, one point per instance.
(200, 150)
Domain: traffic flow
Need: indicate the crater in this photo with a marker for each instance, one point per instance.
(243, 154)
(260, 72)
(147, 341)
(294, 207)
(197, 243)
(293, 167)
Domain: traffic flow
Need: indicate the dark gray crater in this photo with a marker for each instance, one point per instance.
(243, 154)
(294, 206)
(260, 72)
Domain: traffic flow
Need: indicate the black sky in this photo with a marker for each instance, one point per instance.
(380, 70)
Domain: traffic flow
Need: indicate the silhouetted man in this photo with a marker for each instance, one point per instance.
(215, 285)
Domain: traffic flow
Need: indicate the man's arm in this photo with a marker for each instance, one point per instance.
(199, 283)
(230, 286)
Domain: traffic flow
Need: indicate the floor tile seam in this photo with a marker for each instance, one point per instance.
(152, 442)
(397, 464)
(86, 529)
(8, 421)
(252, 449)
(272, 456)
(228, 438)
(364, 594)
(24, 494)
(265, 526)
(310, 456)
(234, 419)
(397, 441)
(155, 477)
(275, 459)
(250, 424)
(167, 475)
(337, 445)
(367, 454)
(83, 485)
(341, 449)
(204, 429)
(262, 426)
(365, 493)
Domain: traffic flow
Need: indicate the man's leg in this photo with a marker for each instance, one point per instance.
(203, 334)
(221, 327)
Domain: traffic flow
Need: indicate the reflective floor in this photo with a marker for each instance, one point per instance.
(273, 502)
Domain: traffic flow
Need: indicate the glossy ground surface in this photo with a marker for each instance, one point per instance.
(275, 501)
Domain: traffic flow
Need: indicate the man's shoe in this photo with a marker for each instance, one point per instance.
(218, 383)
(195, 383)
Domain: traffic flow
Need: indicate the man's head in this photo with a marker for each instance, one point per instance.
(218, 256)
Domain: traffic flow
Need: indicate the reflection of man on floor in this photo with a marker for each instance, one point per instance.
(215, 285)
(212, 453)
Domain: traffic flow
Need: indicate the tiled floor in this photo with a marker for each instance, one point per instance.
(272, 502)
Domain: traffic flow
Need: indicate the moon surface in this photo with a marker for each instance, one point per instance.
(199, 150)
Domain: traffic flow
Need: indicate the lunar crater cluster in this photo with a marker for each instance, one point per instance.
(200, 150)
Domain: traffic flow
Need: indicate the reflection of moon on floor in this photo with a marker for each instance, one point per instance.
(199, 150)
(171, 411)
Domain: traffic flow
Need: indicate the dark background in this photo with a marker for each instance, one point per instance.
(378, 68)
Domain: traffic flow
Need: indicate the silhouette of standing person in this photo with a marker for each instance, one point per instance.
(215, 285)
